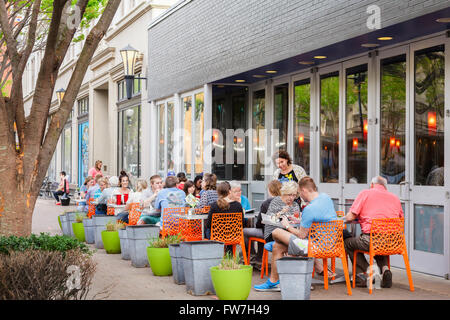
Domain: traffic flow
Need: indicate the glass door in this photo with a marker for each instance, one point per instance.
(328, 131)
(392, 134)
(83, 151)
(429, 174)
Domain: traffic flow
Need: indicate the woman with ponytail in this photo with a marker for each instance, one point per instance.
(223, 205)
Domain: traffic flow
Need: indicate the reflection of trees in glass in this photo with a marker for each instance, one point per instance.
(393, 118)
(356, 117)
(187, 151)
(199, 121)
(161, 129)
(329, 127)
(429, 104)
(302, 102)
(259, 116)
(281, 113)
(170, 132)
(131, 140)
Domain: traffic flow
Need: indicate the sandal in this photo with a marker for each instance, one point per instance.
(331, 274)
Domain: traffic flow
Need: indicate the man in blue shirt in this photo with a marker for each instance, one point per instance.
(293, 241)
(170, 196)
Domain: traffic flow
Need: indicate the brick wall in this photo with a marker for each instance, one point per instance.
(206, 40)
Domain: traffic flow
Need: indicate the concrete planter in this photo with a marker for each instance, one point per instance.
(70, 218)
(198, 257)
(138, 237)
(99, 226)
(295, 277)
(124, 249)
(177, 263)
(64, 225)
(89, 232)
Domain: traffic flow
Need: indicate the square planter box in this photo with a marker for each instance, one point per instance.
(100, 225)
(295, 277)
(89, 230)
(177, 263)
(64, 225)
(138, 237)
(124, 249)
(198, 257)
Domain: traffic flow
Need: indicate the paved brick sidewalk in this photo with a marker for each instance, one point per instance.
(139, 283)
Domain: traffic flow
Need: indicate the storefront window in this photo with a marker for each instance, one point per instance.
(429, 116)
(302, 114)
(259, 125)
(187, 145)
(229, 158)
(161, 136)
(199, 129)
(170, 132)
(83, 151)
(329, 127)
(393, 118)
(281, 115)
(356, 124)
(130, 139)
(67, 152)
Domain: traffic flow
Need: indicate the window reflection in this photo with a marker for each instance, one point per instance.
(67, 152)
(393, 118)
(161, 131)
(170, 132)
(302, 114)
(259, 118)
(130, 143)
(429, 228)
(199, 129)
(281, 114)
(187, 107)
(329, 127)
(356, 124)
(429, 116)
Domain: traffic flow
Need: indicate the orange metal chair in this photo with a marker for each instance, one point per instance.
(110, 211)
(387, 237)
(91, 208)
(171, 224)
(265, 257)
(134, 213)
(326, 241)
(228, 228)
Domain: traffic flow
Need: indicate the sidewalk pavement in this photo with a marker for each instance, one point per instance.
(124, 282)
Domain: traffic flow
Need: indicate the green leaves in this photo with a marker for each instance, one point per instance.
(42, 242)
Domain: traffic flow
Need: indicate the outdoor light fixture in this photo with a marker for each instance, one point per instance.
(60, 94)
(258, 76)
(129, 55)
(271, 71)
(370, 45)
(443, 20)
(306, 63)
(320, 57)
(239, 81)
(385, 38)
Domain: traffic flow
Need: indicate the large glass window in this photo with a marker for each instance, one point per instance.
(281, 99)
(356, 124)
(67, 152)
(130, 140)
(170, 132)
(393, 118)
(259, 125)
(302, 115)
(429, 116)
(199, 129)
(329, 127)
(161, 137)
(187, 145)
(83, 151)
(83, 107)
(230, 112)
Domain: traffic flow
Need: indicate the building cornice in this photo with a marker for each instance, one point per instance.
(102, 57)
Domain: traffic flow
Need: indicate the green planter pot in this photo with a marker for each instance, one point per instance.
(159, 260)
(78, 231)
(111, 241)
(232, 284)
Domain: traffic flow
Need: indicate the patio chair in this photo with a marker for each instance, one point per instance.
(228, 228)
(265, 257)
(326, 241)
(91, 208)
(170, 224)
(387, 237)
(134, 213)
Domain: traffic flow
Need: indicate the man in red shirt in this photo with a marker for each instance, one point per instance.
(374, 203)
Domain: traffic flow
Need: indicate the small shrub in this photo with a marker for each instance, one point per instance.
(45, 275)
(229, 262)
(111, 225)
(43, 242)
(120, 225)
(164, 243)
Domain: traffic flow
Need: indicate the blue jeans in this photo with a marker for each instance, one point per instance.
(123, 216)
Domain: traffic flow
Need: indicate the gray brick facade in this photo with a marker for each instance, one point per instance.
(206, 40)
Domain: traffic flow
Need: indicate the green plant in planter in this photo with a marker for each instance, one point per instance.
(78, 227)
(231, 280)
(159, 256)
(110, 237)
